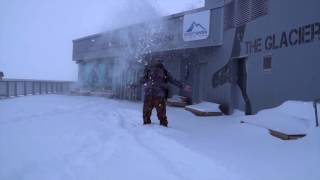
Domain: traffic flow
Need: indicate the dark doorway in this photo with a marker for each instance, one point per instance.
(199, 82)
(240, 83)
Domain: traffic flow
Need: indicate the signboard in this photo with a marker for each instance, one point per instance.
(196, 26)
(293, 37)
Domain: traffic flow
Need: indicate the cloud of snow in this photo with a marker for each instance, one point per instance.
(36, 36)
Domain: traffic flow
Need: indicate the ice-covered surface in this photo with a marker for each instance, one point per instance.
(291, 117)
(84, 138)
(205, 107)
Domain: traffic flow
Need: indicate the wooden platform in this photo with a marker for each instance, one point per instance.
(203, 113)
(211, 110)
(277, 134)
(284, 136)
(177, 101)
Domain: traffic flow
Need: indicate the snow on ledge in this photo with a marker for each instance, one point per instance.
(292, 117)
(205, 107)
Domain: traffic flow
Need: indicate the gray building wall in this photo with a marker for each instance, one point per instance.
(295, 69)
(294, 74)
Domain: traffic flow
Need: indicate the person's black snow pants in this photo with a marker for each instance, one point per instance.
(160, 104)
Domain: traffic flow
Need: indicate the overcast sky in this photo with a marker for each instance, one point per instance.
(36, 35)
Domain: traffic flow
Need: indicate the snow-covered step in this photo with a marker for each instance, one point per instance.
(205, 109)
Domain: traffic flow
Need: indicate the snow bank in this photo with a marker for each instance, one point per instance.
(292, 117)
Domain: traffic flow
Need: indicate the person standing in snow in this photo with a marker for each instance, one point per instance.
(155, 82)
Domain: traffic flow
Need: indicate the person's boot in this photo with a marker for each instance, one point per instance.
(147, 123)
(164, 124)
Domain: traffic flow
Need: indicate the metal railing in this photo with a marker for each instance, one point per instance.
(23, 87)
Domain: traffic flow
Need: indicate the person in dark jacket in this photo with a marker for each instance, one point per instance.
(155, 82)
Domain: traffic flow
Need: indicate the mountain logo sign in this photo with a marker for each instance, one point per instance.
(196, 26)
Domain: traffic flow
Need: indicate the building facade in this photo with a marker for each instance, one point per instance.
(245, 54)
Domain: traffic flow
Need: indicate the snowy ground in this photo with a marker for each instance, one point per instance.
(55, 137)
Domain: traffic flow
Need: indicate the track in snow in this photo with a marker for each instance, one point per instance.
(93, 138)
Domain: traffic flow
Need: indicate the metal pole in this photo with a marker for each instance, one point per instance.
(59, 88)
(16, 88)
(62, 88)
(8, 88)
(316, 111)
(47, 91)
(25, 87)
(33, 93)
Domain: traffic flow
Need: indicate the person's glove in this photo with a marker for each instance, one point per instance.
(187, 88)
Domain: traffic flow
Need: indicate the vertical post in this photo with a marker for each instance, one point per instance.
(42, 89)
(8, 88)
(33, 88)
(25, 87)
(316, 111)
(68, 87)
(61, 88)
(65, 85)
(15, 88)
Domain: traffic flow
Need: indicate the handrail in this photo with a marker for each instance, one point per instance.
(38, 80)
(23, 87)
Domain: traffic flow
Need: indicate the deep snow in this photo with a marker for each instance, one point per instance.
(88, 138)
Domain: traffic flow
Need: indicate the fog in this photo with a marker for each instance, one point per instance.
(36, 36)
